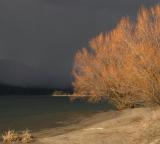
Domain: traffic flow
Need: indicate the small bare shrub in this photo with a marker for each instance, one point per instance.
(123, 65)
(9, 137)
(26, 136)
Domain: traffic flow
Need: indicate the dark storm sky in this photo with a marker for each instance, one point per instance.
(38, 38)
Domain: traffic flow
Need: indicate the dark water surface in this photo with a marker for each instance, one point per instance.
(41, 112)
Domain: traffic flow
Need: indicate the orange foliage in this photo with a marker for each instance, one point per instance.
(123, 65)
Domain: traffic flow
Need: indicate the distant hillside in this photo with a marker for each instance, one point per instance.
(6, 89)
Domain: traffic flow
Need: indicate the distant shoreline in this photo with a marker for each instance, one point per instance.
(69, 95)
(64, 95)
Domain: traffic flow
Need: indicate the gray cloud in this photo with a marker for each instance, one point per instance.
(45, 34)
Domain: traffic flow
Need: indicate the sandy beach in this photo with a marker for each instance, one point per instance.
(133, 126)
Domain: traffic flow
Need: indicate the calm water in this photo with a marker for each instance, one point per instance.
(40, 112)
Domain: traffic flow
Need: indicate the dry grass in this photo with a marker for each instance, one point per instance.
(123, 65)
(26, 136)
(151, 126)
(10, 136)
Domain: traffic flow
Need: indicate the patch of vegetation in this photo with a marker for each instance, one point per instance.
(61, 93)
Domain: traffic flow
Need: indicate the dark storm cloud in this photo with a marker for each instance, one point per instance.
(45, 34)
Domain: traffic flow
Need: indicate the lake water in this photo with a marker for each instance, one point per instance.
(41, 112)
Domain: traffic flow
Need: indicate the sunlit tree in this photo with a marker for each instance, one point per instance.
(124, 64)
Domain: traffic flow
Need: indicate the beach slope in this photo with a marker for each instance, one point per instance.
(132, 126)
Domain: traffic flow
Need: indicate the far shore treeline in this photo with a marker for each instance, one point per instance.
(6, 89)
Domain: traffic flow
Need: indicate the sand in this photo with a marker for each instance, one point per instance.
(132, 126)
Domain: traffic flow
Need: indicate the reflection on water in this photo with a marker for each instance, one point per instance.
(39, 112)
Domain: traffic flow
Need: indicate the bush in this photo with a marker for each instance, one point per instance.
(26, 136)
(124, 64)
(10, 136)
